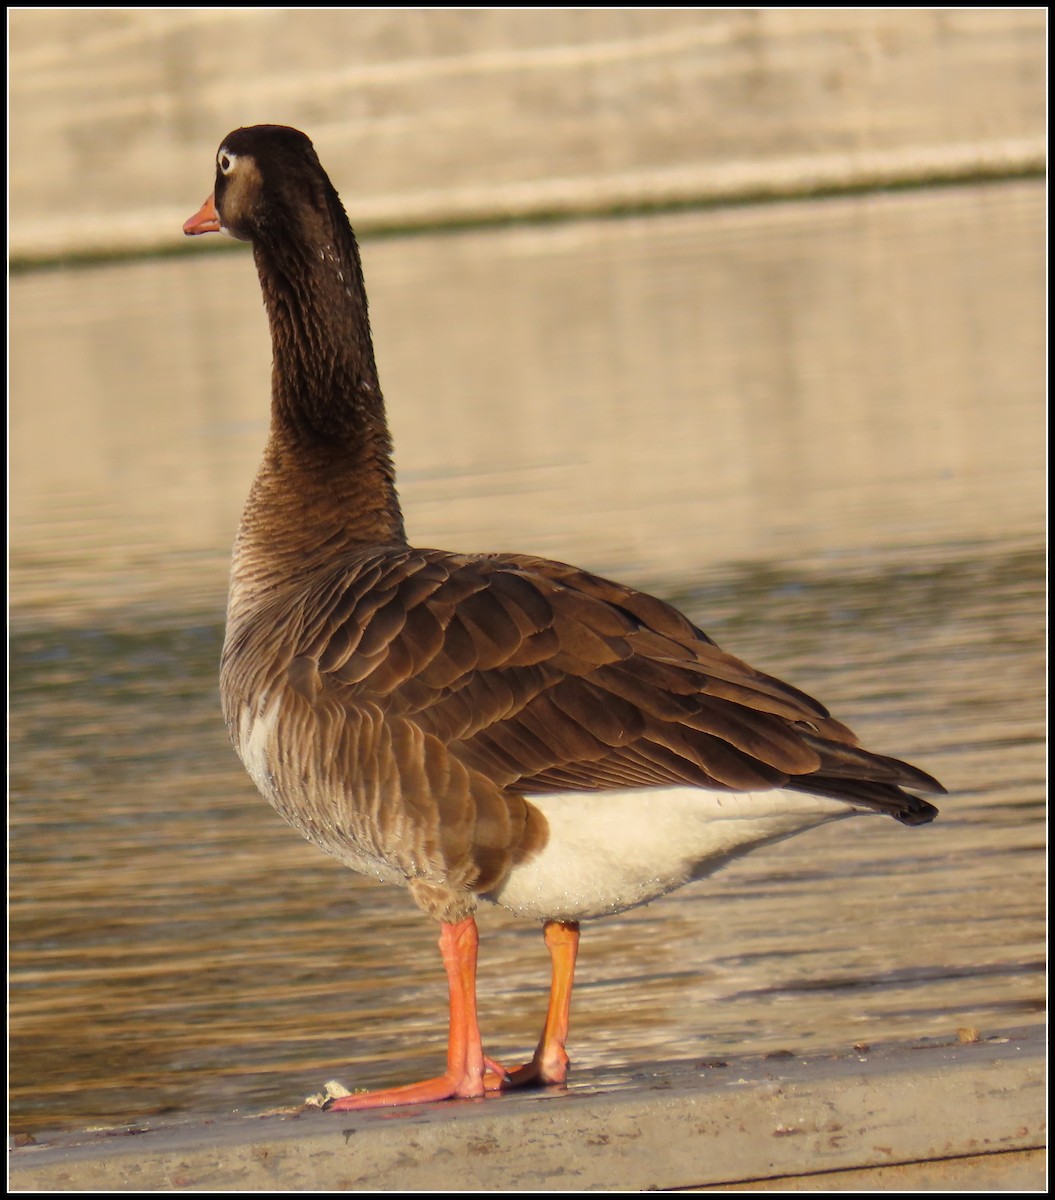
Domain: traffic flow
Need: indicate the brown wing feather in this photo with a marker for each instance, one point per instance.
(540, 677)
(500, 677)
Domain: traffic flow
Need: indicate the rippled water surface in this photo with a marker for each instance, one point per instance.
(175, 948)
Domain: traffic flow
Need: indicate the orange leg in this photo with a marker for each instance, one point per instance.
(464, 1076)
(549, 1063)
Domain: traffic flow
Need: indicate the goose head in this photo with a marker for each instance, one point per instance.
(269, 185)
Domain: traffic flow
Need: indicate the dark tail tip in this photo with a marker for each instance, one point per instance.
(920, 813)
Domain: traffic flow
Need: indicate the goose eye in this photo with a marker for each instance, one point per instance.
(225, 162)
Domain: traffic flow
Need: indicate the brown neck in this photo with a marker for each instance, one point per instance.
(327, 482)
(303, 515)
(325, 382)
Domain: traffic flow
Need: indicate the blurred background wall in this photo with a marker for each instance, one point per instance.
(433, 117)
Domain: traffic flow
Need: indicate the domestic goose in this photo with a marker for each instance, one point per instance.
(475, 727)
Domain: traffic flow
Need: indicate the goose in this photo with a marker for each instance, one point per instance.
(475, 727)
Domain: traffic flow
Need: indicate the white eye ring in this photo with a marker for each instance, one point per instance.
(225, 160)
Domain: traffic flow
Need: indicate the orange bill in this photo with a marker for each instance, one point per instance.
(205, 220)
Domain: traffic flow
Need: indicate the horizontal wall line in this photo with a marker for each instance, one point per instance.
(47, 244)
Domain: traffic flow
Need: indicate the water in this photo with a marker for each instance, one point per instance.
(176, 949)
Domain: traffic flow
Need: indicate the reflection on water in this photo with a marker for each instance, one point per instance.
(176, 948)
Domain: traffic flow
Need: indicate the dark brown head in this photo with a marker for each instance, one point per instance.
(269, 184)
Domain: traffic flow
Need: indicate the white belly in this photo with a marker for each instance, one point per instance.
(609, 851)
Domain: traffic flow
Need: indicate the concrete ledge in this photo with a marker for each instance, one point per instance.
(1004, 1171)
(965, 1115)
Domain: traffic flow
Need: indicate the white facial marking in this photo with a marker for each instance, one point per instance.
(226, 161)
